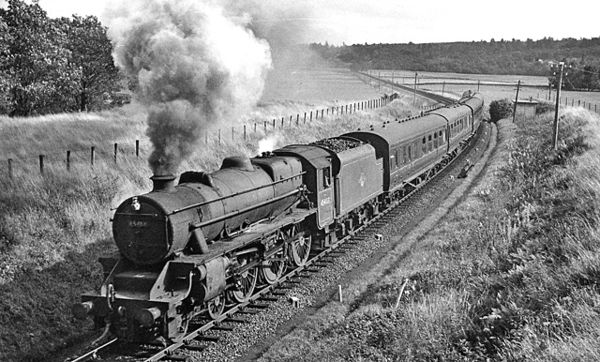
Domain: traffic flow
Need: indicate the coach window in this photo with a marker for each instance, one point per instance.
(424, 146)
(430, 144)
(442, 137)
(406, 154)
(326, 177)
(396, 157)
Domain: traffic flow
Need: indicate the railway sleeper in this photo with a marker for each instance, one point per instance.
(207, 338)
(194, 348)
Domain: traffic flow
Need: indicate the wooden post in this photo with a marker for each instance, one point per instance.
(116, 151)
(265, 124)
(340, 298)
(254, 127)
(549, 90)
(310, 116)
(10, 168)
(516, 100)
(297, 119)
(322, 111)
(415, 90)
(205, 137)
(291, 120)
(304, 117)
(219, 135)
(137, 148)
(443, 88)
(92, 155)
(555, 128)
(42, 164)
(579, 103)
(478, 83)
(282, 122)
(68, 160)
(232, 133)
(273, 123)
(566, 101)
(244, 132)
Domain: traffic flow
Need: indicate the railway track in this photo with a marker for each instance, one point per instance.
(199, 339)
(436, 97)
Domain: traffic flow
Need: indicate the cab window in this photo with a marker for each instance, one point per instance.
(326, 177)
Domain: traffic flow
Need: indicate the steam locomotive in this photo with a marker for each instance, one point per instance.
(209, 241)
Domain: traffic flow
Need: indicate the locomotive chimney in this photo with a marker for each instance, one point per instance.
(163, 183)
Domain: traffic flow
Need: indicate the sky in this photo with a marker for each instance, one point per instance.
(399, 21)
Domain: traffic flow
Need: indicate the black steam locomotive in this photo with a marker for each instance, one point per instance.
(208, 241)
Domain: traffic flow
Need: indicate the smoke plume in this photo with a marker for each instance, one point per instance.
(195, 63)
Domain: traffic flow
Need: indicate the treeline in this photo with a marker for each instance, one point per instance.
(494, 57)
(54, 65)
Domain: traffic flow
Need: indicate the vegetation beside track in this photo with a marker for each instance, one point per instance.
(511, 273)
(54, 227)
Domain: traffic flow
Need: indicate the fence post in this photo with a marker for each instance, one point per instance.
(297, 119)
(10, 168)
(282, 120)
(254, 127)
(572, 102)
(219, 136)
(265, 124)
(244, 132)
(273, 123)
(137, 147)
(310, 116)
(579, 103)
(68, 160)
(116, 150)
(232, 133)
(42, 164)
(92, 155)
(205, 137)
(595, 110)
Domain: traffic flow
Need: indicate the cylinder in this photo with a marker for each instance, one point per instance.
(81, 310)
(147, 316)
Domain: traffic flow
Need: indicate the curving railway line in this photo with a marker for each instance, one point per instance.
(262, 297)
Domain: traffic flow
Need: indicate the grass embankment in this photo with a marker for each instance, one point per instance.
(54, 227)
(511, 273)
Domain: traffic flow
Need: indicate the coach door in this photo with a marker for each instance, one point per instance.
(325, 196)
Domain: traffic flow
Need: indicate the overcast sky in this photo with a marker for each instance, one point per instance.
(398, 21)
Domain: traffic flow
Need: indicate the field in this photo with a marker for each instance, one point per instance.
(54, 227)
(491, 85)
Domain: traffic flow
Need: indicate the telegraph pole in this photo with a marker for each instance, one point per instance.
(516, 101)
(555, 135)
(415, 90)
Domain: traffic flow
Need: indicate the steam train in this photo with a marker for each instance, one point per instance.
(209, 241)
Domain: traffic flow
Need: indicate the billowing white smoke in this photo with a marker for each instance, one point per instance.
(269, 143)
(195, 63)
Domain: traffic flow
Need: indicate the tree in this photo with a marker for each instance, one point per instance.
(91, 55)
(38, 63)
(5, 76)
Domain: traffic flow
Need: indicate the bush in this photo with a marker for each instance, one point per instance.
(544, 107)
(500, 109)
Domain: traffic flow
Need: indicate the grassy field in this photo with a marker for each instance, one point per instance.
(491, 85)
(511, 273)
(315, 85)
(54, 227)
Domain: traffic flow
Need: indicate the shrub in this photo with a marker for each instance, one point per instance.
(544, 107)
(500, 109)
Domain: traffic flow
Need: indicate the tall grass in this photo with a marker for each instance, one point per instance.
(54, 227)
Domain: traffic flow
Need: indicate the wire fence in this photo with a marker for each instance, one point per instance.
(117, 153)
